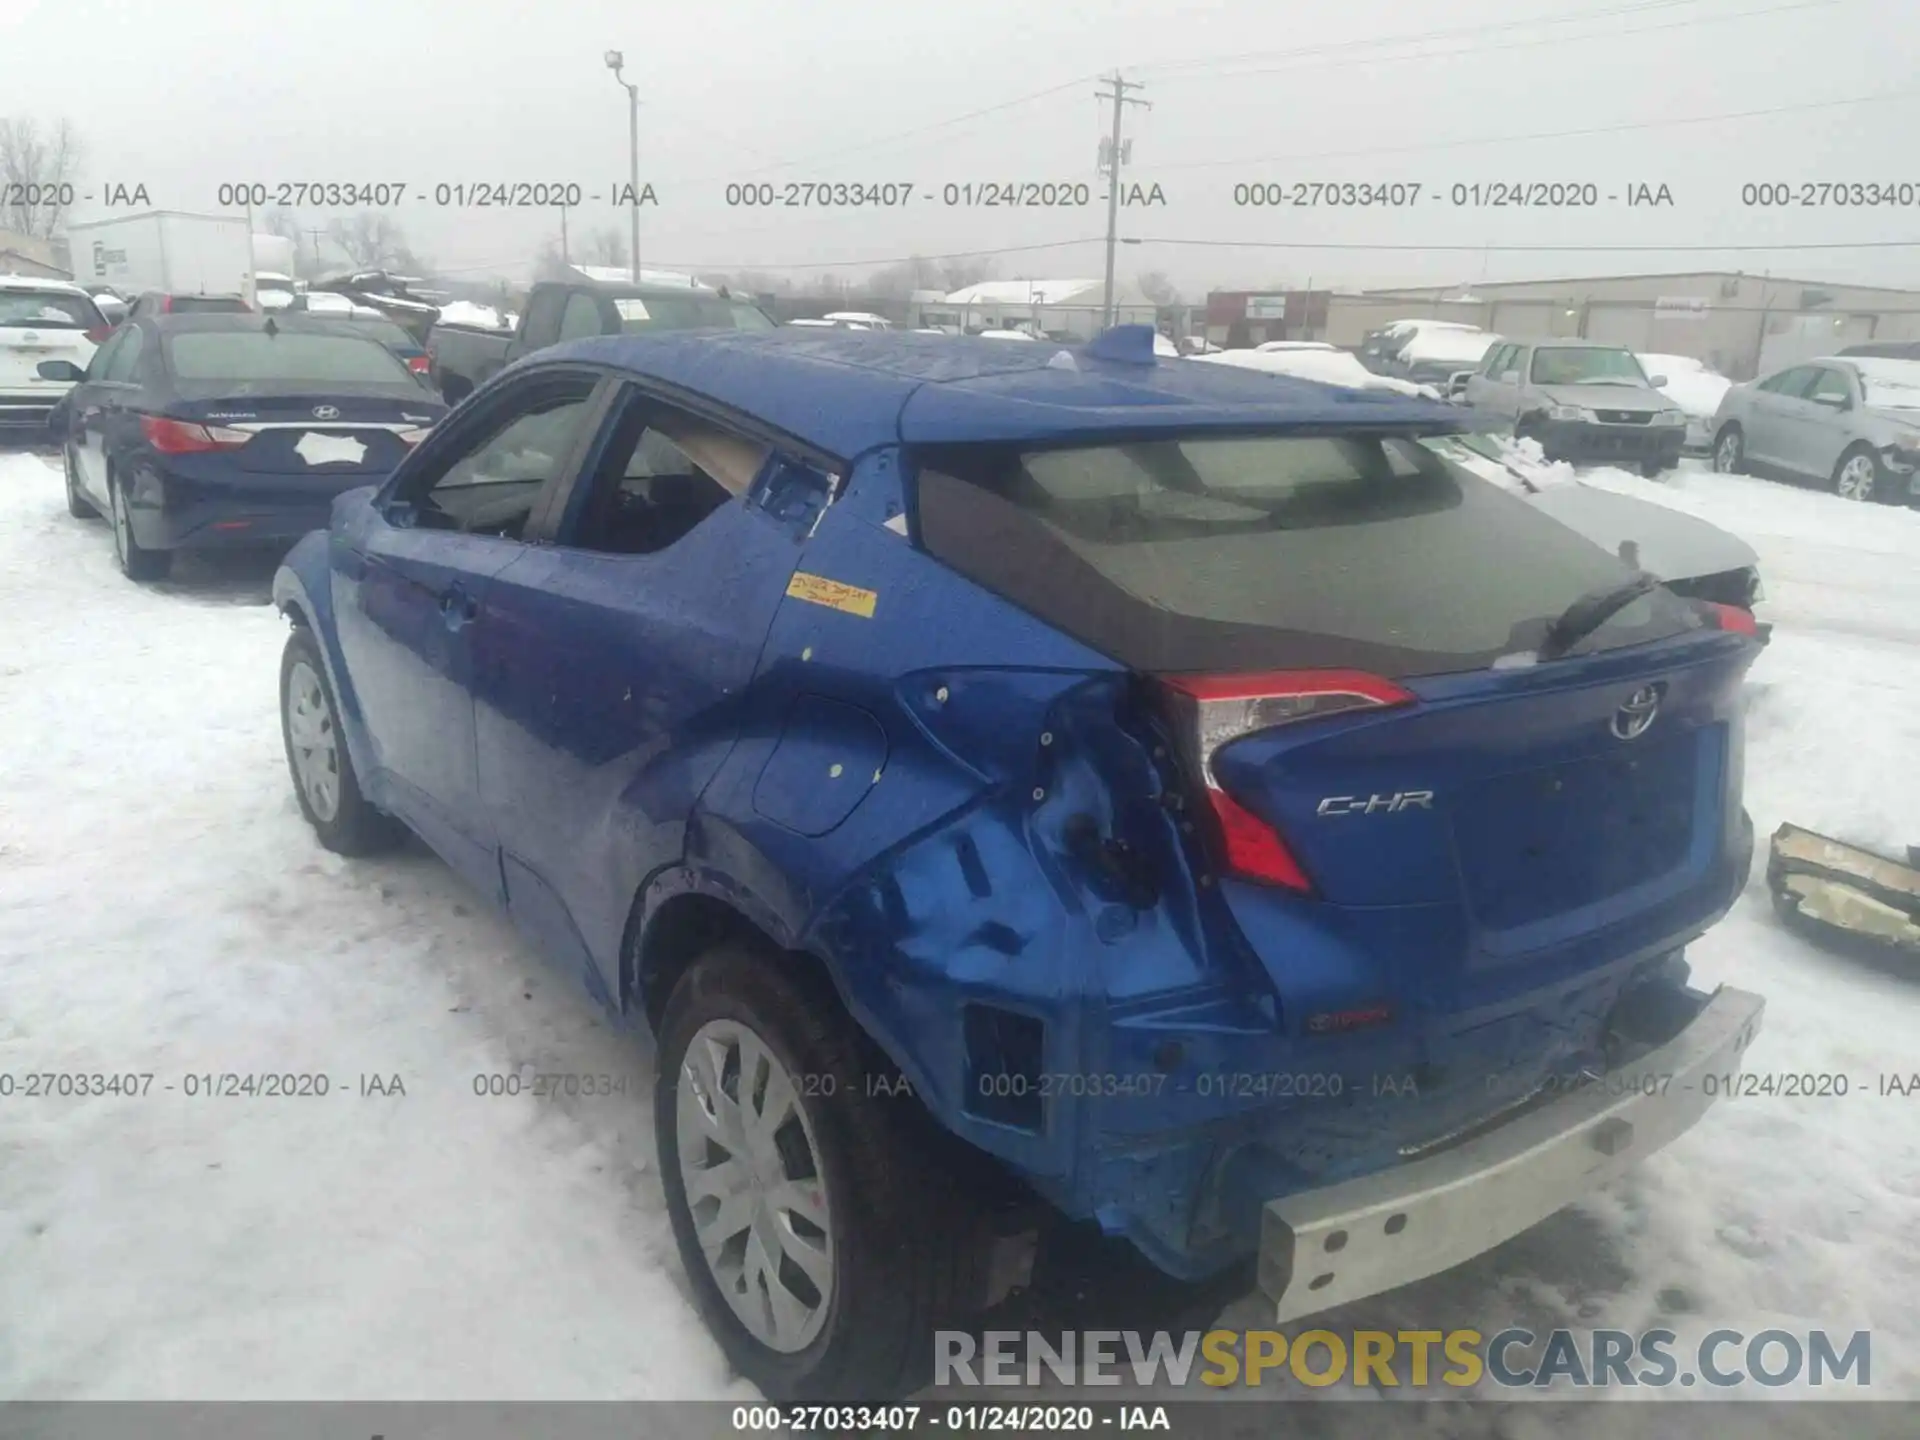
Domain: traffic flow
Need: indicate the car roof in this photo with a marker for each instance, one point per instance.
(845, 392)
(42, 283)
(181, 321)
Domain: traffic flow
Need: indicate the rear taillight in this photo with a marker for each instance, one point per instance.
(178, 437)
(166, 304)
(98, 334)
(1732, 617)
(1212, 711)
(419, 364)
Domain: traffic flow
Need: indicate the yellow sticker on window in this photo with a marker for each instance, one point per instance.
(818, 590)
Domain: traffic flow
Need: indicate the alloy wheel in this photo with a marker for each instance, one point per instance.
(1726, 455)
(1856, 478)
(750, 1166)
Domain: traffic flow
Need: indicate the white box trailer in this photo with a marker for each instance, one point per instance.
(168, 250)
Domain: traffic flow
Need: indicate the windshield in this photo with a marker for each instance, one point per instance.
(1585, 365)
(750, 317)
(1271, 552)
(254, 355)
(1889, 384)
(47, 310)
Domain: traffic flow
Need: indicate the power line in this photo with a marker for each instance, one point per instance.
(1377, 42)
(1536, 249)
(711, 265)
(1517, 44)
(1547, 134)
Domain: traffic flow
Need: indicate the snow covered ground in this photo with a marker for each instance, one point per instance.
(164, 910)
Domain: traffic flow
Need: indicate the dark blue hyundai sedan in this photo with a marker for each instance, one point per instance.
(198, 431)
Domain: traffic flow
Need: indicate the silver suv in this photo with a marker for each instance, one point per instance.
(1849, 422)
(1582, 401)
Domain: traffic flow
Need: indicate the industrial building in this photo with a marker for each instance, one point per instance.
(1053, 307)
(1742, 325)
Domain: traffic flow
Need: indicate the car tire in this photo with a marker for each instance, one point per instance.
(1730, 451)
(78, 505)
(324, 781)
(1860, 476)
(891, 1253)
(136, 562)
(1654, 469)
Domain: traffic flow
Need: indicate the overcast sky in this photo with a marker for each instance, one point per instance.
(183, 94)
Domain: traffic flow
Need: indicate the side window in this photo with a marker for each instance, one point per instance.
(581, 317)
(543, 316)
(493, 487)
(126, 356)
(103, 357)
(663, 472)
(1828, 386)
(1787, 382)
(1497, 360)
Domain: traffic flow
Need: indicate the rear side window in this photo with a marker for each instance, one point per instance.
(48, 310)
(691, 311)
(1271, 552)
(255, 355)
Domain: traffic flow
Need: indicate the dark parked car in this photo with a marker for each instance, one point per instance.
(1883, 350)
(373, 325)
(160, 302)
(203, 431)
(465, 357)
(1021, 780)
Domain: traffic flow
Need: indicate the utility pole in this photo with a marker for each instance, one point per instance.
(615, 62)
(1116, 153)
(566, 255)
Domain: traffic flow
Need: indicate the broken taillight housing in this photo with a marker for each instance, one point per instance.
(1211, 711)
(1733, 617)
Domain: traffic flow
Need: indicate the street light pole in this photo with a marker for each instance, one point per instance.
(615, 61)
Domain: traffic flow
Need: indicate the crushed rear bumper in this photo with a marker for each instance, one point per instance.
(1323, 1248)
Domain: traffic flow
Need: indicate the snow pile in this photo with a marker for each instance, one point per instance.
(1329, 366)
(465, 312)
(1691, 386)
(1432, 343)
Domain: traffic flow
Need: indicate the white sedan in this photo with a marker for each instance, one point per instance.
(42, 320)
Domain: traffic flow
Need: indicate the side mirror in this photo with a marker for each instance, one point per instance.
(1656, 381)
(60, 370)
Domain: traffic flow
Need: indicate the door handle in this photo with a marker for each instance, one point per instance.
(456, 604)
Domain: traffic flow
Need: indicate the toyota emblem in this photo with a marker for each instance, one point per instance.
(1633, 719)
(326, 412)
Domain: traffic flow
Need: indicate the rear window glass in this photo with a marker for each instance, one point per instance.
(256, 355)
(1271, 552)
(691, 311)
(48, 309)
(207, 305)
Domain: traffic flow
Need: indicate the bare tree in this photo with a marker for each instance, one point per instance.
(34, 168)
(1157, 288)
(604, 247)
(372, 240)
(958, 274)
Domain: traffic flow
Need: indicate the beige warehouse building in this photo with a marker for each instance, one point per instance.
(1740, 324)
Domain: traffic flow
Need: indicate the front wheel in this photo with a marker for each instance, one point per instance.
(1654, 469)
(1861, 477)
(824, 1241)
(324, 781)
(1729, 452)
